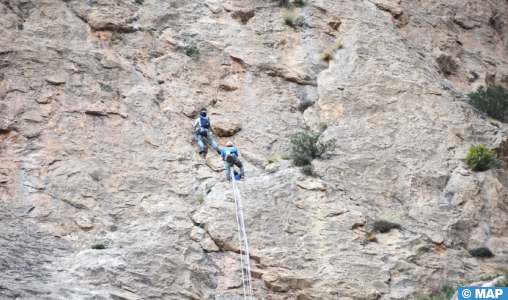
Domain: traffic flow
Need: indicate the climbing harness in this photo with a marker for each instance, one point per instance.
(242, 239)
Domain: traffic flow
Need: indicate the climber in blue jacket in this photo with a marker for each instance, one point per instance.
(203, 124)
(230, 157)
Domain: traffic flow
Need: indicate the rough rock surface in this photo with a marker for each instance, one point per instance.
(95, 147)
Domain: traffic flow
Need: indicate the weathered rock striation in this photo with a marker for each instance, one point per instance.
(96, 147)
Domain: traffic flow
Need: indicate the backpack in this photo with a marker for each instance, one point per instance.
(205, 121)
(230, 157)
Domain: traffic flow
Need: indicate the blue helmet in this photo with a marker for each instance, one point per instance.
(203, 113)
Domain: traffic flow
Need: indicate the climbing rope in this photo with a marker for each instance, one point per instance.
(242, 232)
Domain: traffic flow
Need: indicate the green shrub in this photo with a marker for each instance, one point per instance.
(148, 30)
(209, 189)
(139, 1)
(446, 291)
(20, 26)
(299, 2)
(497, 163)
(502, 283)
(106, 88)
(192, 50)
(480, 158)
(449, 194)
(98, 246)
(304, 105)
(308, 170)
(481, 252)
(493, 101)
(10, 7)
(384, 226)
(283, 3)
(300, 21)
(309, 143)
(301, 160)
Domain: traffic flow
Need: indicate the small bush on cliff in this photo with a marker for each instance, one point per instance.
(283, 3)
(474, 74)
(502, 282)
(310, 144)
(373, 237)
(98, 246)
(139, 1)
(447, 290)
(494, 122)
(299, 2)
(384, 226)
(480, 158)
(192, 50)
(106, 88)
(329, 53)
(304, 105)
(300, 21)
(444, 293)
(301, 160)
(289, 17)
(209, 189)
(147, 30)
(481, 252)
(308, 170)
(493, 101)
(273, 158)
(200, 225)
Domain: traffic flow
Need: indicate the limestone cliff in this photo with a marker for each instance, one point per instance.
(95, 147)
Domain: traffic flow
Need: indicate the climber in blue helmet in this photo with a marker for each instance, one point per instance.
(230, 157)
(203, 124)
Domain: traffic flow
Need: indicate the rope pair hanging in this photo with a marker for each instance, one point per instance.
(242, 239)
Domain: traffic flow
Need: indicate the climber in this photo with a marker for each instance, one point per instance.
(203, 123)
(230, 157)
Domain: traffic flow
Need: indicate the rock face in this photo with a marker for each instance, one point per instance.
(96, 147)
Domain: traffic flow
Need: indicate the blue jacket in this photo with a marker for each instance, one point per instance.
(230, 150)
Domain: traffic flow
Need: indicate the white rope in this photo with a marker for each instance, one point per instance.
(240, 242)
(241, 227)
